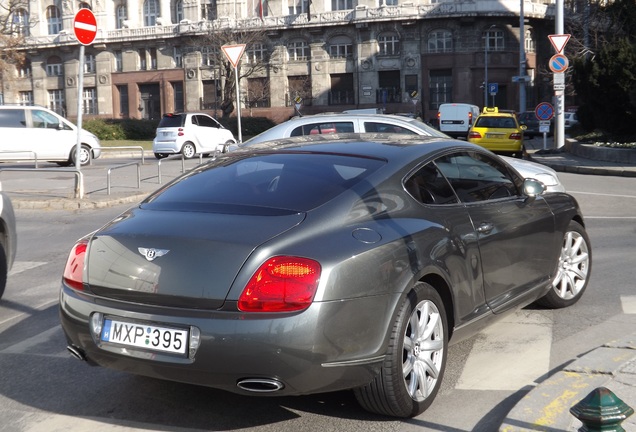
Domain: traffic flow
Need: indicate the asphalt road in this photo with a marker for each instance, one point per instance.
(43, 389)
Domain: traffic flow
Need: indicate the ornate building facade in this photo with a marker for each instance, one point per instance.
(156, 56)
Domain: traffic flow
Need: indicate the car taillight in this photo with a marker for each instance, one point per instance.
(281, 284)
(470, 118)
(74, 269)
(473, 134)
(180, 132)
(515, 136)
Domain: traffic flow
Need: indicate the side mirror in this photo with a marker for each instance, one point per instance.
(533, 188)
(523, 127)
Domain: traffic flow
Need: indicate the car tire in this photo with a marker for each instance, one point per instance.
(573, 271)
(161, 155)
(3, 270)
(85, 155)
(188, 150)
(416, 355)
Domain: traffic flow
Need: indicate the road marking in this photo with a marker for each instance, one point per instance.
(629, 304)
(602, 194)
(20, 266)
(510, 354)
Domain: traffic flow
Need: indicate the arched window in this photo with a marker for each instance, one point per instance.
(121, 15)
(151, 12)
(340, 47)
(529, 43)
(84, 5)
(178, 12)
(388, 44)
(440, 41)
(20, 22)
(53, 20)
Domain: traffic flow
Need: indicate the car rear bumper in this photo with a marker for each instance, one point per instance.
(237, 347)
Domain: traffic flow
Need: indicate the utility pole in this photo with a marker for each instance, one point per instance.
(522, 60)
(559, 95)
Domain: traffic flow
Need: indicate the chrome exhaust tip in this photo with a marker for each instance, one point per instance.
(76, 352)
(260, 385)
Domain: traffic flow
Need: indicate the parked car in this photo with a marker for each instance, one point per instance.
(531, 122)
(189, 134)
(322, 264)
(498, 131)
(570, 119)
(456, 119)
(361, 123)
(33, 132)
(8, 239)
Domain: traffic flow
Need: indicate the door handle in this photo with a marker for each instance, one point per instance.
(485, 228)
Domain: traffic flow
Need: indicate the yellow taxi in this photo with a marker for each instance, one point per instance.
(498, 131)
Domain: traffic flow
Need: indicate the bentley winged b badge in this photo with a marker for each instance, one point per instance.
(151, 253)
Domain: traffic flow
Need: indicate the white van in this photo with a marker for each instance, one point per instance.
(30, 132)
(456, 119)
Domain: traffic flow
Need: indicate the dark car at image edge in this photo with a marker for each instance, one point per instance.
(320, 264)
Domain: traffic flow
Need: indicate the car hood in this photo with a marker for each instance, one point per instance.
(176, 258)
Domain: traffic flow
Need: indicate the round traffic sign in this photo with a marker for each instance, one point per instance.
(544, 111)
(559, 63)
(85, 26)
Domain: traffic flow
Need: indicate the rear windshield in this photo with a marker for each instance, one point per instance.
(172, 120)
(496, 122)
(265, 183)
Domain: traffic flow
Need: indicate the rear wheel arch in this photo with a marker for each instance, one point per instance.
(444, 290)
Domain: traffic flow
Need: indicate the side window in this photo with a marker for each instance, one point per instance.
(386, 128)
(43, 119)
(323, 128)
(12, 118)
(477, 177)
(429, 186)
(206, 122)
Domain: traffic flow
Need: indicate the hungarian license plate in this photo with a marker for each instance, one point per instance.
(146, 336)
(494, 135)
(166, 134)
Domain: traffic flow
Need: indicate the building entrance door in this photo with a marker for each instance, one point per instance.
(150, 96)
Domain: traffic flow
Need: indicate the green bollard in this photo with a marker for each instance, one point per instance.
(601, 411)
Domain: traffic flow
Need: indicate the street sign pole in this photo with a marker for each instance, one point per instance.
(234, 54)
(85, 29)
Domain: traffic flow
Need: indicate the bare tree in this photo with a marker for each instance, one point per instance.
(254, 60)
(14, 25)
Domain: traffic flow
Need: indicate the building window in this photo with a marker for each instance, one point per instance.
(299, 89)
(24, 69)
(440, 41)
(256, 53)
(257, 93)
(143, 59)
(20, 22)
(441, 88)
(211, 95)
(177, 57)
(89, 63)
(119, 62)
(388, 45)
(123, 100)
(178, 100)
(151, 12)
(121, 14)
(84, 5)
(341, 5)
(340, 47)
(54, 66)
(297, 7)
(529, 41)
(391, 2)
(56, 102)
(298, 51)
(89, 101)
(494, 40)
(152, 53)
(208, 10)
(390, 90)
(178, 12)
(53, 20)
(26, 98)
(209, 56)
(341, 91)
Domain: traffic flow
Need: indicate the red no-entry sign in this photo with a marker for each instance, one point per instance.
(85, 26)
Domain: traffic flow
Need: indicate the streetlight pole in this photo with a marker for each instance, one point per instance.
(486, 49)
